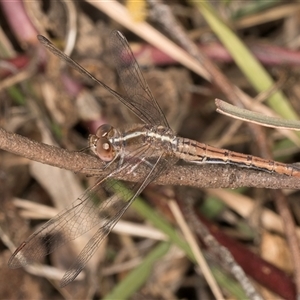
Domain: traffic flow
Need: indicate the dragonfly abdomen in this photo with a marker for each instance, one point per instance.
(195, 152)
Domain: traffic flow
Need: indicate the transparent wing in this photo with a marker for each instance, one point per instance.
(121, 201)
(83, 215)
(93, 208)
(66, 226)
(139, 97)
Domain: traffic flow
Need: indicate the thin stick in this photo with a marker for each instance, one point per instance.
(224, 176)
(196, 250)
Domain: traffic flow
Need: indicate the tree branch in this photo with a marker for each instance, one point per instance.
(200, 176)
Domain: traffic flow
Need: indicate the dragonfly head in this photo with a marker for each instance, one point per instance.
(100, 142)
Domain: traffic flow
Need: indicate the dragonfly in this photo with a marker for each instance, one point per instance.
(151, 146)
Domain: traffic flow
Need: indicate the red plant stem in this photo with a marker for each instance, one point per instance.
(260, 270)
(19, 21)
(268, 55)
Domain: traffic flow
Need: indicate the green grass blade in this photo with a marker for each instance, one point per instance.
(248, 64)
(137, 277)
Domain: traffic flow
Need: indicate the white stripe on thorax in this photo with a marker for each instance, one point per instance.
(145, 133)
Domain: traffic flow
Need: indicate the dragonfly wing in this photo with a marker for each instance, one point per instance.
(139, 97)
(101, 205)
(119, 203)
(66, 226)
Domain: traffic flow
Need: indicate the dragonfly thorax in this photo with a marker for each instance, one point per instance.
(160, 136)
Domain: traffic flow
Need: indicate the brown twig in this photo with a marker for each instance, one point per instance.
(201, 176)
(220, 254)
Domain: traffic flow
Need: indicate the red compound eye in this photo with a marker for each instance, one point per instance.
(104, 149)
(103, 131)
